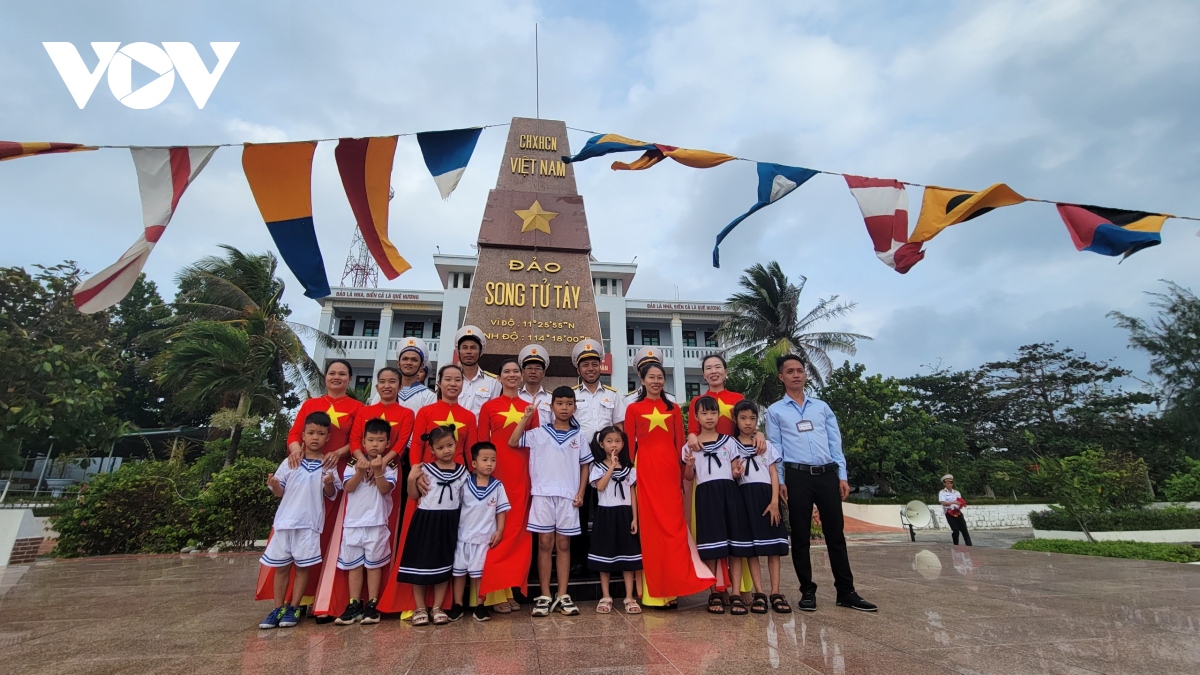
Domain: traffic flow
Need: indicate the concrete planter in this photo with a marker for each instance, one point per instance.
(1147, 536)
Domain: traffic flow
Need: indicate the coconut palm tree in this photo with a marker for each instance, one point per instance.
(766, 317)
(241, 290)
(214, 364)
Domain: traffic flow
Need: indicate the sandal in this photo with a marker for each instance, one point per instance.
(502, 608)
(604, 606)
(759, 604)
(439, 617)
(737, 606)
(715, 604)
(420, 617)
(632, 606)
(780, 605)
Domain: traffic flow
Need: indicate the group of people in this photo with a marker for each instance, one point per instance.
(427, 502)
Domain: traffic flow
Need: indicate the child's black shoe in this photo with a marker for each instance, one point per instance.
(354, 612)
(455, 612)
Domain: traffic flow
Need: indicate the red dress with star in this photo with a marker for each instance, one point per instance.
(656, 437)
(333, 590)
(398, 597)
(726, 400)
(341, 413)
(507, 563)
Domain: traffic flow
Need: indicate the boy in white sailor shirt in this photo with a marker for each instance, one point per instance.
(411, 361)
(480, 525)
(296, 535)
(365, 535)
(479, 386)
(558, 469)
(596, 405)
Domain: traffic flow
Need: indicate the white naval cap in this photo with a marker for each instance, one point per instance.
(473, 332)
(587, 349)
(534, 352)
(646, 355)
(414, 344)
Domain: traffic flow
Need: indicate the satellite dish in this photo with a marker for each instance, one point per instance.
(917, 513)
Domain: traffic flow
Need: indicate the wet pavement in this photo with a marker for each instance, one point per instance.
(943, 609)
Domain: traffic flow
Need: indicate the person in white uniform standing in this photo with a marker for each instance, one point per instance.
(412, 359)
(533, 360)
(479, 386)
(596, 405)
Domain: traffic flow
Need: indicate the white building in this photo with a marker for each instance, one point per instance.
(360, 318)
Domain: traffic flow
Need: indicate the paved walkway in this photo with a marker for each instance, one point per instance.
(943, 609)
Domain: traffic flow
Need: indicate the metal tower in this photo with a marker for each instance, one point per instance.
(361, 270)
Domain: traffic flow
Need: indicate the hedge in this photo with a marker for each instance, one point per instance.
(1171, 518)
(932, 500)
(1135, 550)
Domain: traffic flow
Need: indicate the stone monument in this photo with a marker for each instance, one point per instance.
(533, 282)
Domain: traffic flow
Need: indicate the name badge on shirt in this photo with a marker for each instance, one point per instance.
(804, 425)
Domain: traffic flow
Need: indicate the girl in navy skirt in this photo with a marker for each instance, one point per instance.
(759, 486)
(428, 554)
(614, 539)
(722, 528)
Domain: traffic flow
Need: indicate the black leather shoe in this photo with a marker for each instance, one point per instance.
(855, 601)
(808, 601)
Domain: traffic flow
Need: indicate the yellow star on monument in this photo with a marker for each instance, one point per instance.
(450, 420)
(726, 408)
(335, 417)
(657, 419)
(535, 218)
(511, 416)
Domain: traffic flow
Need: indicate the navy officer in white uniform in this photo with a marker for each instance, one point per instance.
(534, 359)
(596, 405)
(479, 386)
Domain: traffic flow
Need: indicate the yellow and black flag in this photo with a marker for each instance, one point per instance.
(943, 207)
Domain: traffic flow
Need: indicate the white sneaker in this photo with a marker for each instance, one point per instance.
(565, 604)
(541, 605)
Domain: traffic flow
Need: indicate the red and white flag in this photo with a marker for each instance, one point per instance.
(163, 174)
(884, 206)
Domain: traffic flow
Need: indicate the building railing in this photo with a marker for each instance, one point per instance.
(358, 343)
(687, 354)
(394, 346)
(701, 352)
(666, 352)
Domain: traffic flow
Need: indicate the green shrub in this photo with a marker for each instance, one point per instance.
(237, 506)
(1185, 485)
(1136, 550)
(1173, 518)
(135, 509)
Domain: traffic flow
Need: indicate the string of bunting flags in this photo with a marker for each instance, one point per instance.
(884, 204)
(280, 178)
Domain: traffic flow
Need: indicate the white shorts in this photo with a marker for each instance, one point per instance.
(365, 546)
(469, 558)
(299, 546)
(553, 514)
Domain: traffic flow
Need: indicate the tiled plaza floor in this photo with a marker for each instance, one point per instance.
(943, 609)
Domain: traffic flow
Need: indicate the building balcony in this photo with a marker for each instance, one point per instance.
(364, 348)
(690, 357)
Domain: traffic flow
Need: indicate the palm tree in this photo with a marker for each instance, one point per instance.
(766, 318)
(241, 290)
(210, 363)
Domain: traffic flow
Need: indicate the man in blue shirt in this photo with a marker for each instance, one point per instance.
(813, 471)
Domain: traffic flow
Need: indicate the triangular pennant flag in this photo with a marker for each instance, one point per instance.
(365, 165)
(884, 206)
(11, 150)
(163, 174)
(603, 144)
(1111, 231)
(942, 207)
(775, 181)
(446, 154)
(280, 176)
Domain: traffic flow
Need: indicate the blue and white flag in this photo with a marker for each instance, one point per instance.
(775, 181)
(446, 154)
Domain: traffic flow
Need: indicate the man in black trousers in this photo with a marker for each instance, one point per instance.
(813, 471)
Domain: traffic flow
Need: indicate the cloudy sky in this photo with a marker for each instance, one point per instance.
(1089, 102)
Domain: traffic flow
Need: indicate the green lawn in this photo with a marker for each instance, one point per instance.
(1136, 550)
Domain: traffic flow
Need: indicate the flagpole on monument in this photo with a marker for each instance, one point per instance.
(537, 76)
